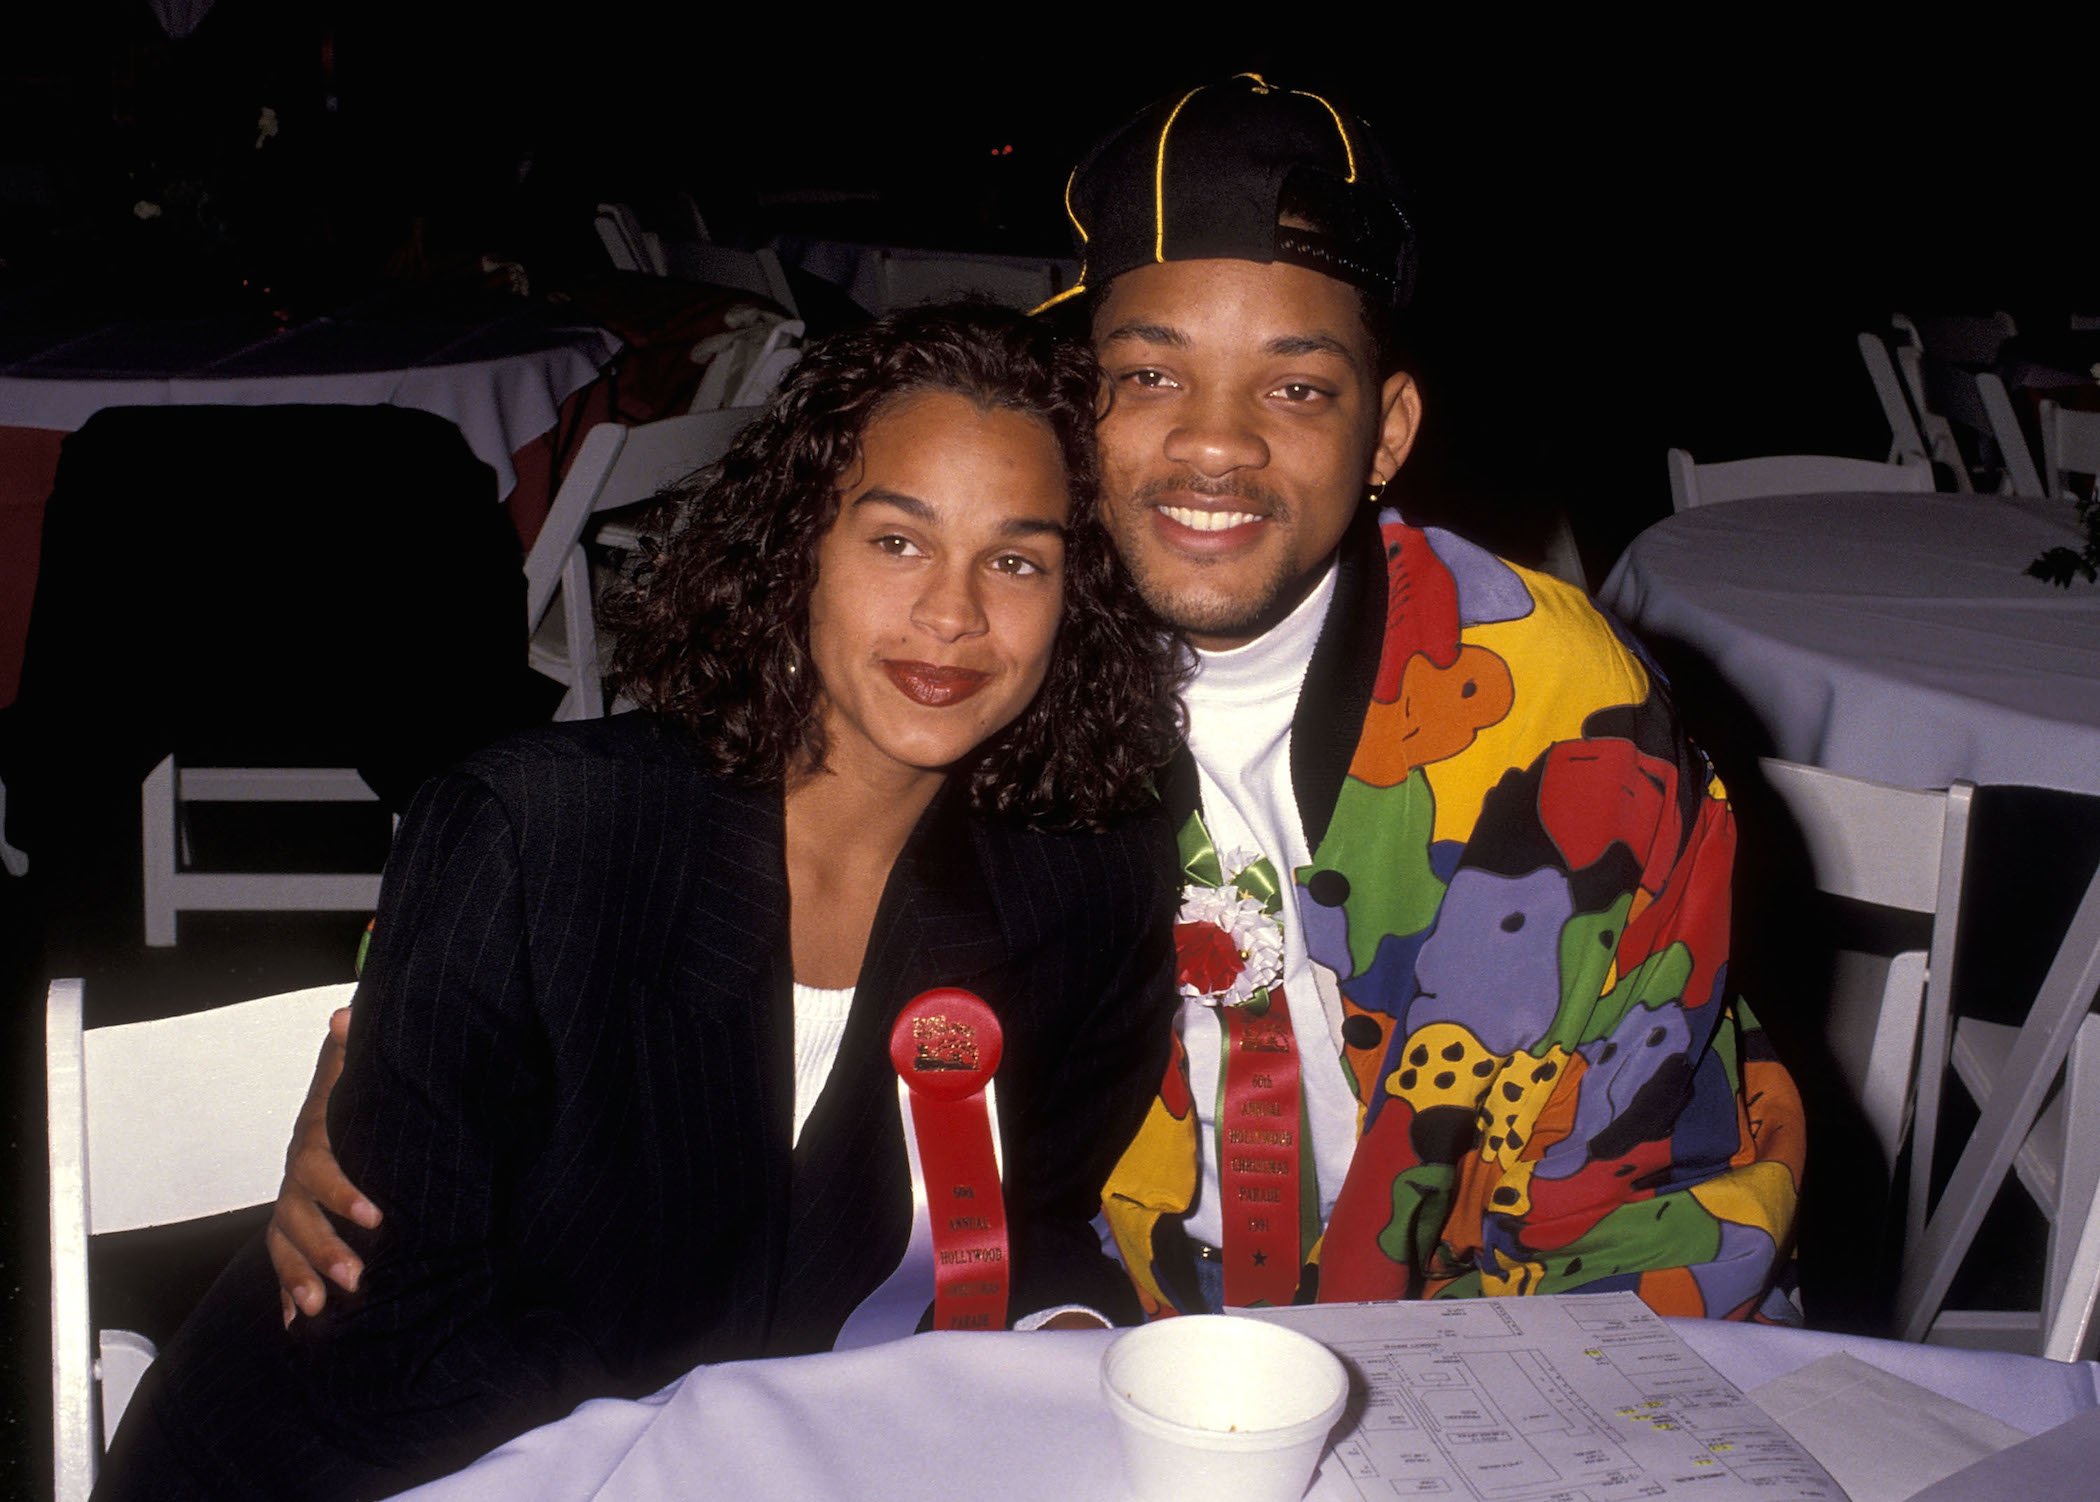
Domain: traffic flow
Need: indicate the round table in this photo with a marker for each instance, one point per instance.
(1020, 1417)
(1892, 637)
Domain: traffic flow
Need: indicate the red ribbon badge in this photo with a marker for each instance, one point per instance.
(945, 1047)
(1259, 1145)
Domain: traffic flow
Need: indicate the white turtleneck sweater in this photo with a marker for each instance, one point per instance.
(1240, 706)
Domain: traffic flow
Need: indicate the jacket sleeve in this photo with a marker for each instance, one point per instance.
(1567, 1094)
(1096, 1080)
(445, 1091)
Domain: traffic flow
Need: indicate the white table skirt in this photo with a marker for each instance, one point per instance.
(1890, 637)
(1019, 1417)
(501, 380)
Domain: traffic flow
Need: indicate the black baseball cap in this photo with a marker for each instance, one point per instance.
(1204, 175)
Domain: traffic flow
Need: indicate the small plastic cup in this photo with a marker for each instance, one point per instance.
(1218, 1408)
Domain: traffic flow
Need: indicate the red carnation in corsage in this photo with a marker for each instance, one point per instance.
(1227, 950)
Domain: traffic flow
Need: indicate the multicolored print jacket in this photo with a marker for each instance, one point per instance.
(1520, 882)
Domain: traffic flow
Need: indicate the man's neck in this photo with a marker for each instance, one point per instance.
(1283, 650)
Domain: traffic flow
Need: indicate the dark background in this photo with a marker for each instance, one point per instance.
(1633, 237)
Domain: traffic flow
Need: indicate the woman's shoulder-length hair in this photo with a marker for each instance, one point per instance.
(712, 630)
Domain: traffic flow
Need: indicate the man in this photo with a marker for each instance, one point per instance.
(1437, 804)
(1439, 824)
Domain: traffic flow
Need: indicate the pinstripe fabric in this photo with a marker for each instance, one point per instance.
(569, 1085)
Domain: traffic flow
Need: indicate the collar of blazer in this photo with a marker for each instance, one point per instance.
(938, 922)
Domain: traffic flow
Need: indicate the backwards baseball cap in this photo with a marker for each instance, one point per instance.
(1215, 172)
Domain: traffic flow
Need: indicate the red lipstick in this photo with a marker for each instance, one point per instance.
(934, 686)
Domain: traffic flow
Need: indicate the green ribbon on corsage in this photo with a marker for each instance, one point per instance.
(1200, 864)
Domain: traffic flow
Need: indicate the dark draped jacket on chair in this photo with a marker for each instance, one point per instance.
(252, 586)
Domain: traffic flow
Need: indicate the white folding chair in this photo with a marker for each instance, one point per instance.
(755, 271)
(767, 372)
(152, 1123)
(171, 887)
(2068, 1335)
(1949, 397)
(614, 466)
(2070, 446)
(746, 362)
(1898, 848)
(2037, 1088)
(346, 451)
(631, 247)
(1906, 443)
(1693, 484)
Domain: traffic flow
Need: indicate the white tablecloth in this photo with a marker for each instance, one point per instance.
(1890, 637)
(1019, 1417)
(500, 378)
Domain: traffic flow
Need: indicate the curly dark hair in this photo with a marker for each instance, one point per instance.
(713, 630)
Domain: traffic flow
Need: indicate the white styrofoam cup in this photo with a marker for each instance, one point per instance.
(1213, 1408)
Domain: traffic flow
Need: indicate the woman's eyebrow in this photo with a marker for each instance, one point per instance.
(1033, 526)
(912, 506)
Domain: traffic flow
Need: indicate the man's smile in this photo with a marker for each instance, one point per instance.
(1209, 518)
(1208, 521)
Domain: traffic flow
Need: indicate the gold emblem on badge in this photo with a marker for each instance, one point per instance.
(939, 1043)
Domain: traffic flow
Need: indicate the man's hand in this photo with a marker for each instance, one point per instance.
(300, 1239)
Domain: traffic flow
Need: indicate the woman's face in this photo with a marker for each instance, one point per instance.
(939, 585)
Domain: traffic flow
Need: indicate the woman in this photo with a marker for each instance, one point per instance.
(904, 710)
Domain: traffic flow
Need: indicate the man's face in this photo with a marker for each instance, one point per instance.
(1245, 423)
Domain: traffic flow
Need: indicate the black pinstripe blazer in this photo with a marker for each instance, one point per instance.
(570, 1084)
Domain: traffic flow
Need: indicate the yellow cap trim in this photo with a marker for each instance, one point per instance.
(1159, 179)
(1348, 151)
(1077, 228)
(1072, 291)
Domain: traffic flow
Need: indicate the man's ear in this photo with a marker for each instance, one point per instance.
(1400, 418)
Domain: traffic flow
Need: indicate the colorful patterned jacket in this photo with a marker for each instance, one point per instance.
(1520, 881)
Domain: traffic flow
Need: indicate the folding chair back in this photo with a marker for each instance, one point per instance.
(1895, 848)
(2070, 446)
(1906, 443)
(631, 247)
(1693, 484)
(2035, 1082)
(329, 613)
(152, 1123)
(615, 466)
(745, 365)
(1951, 398)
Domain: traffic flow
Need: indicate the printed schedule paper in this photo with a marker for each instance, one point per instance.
(1561, 1398)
